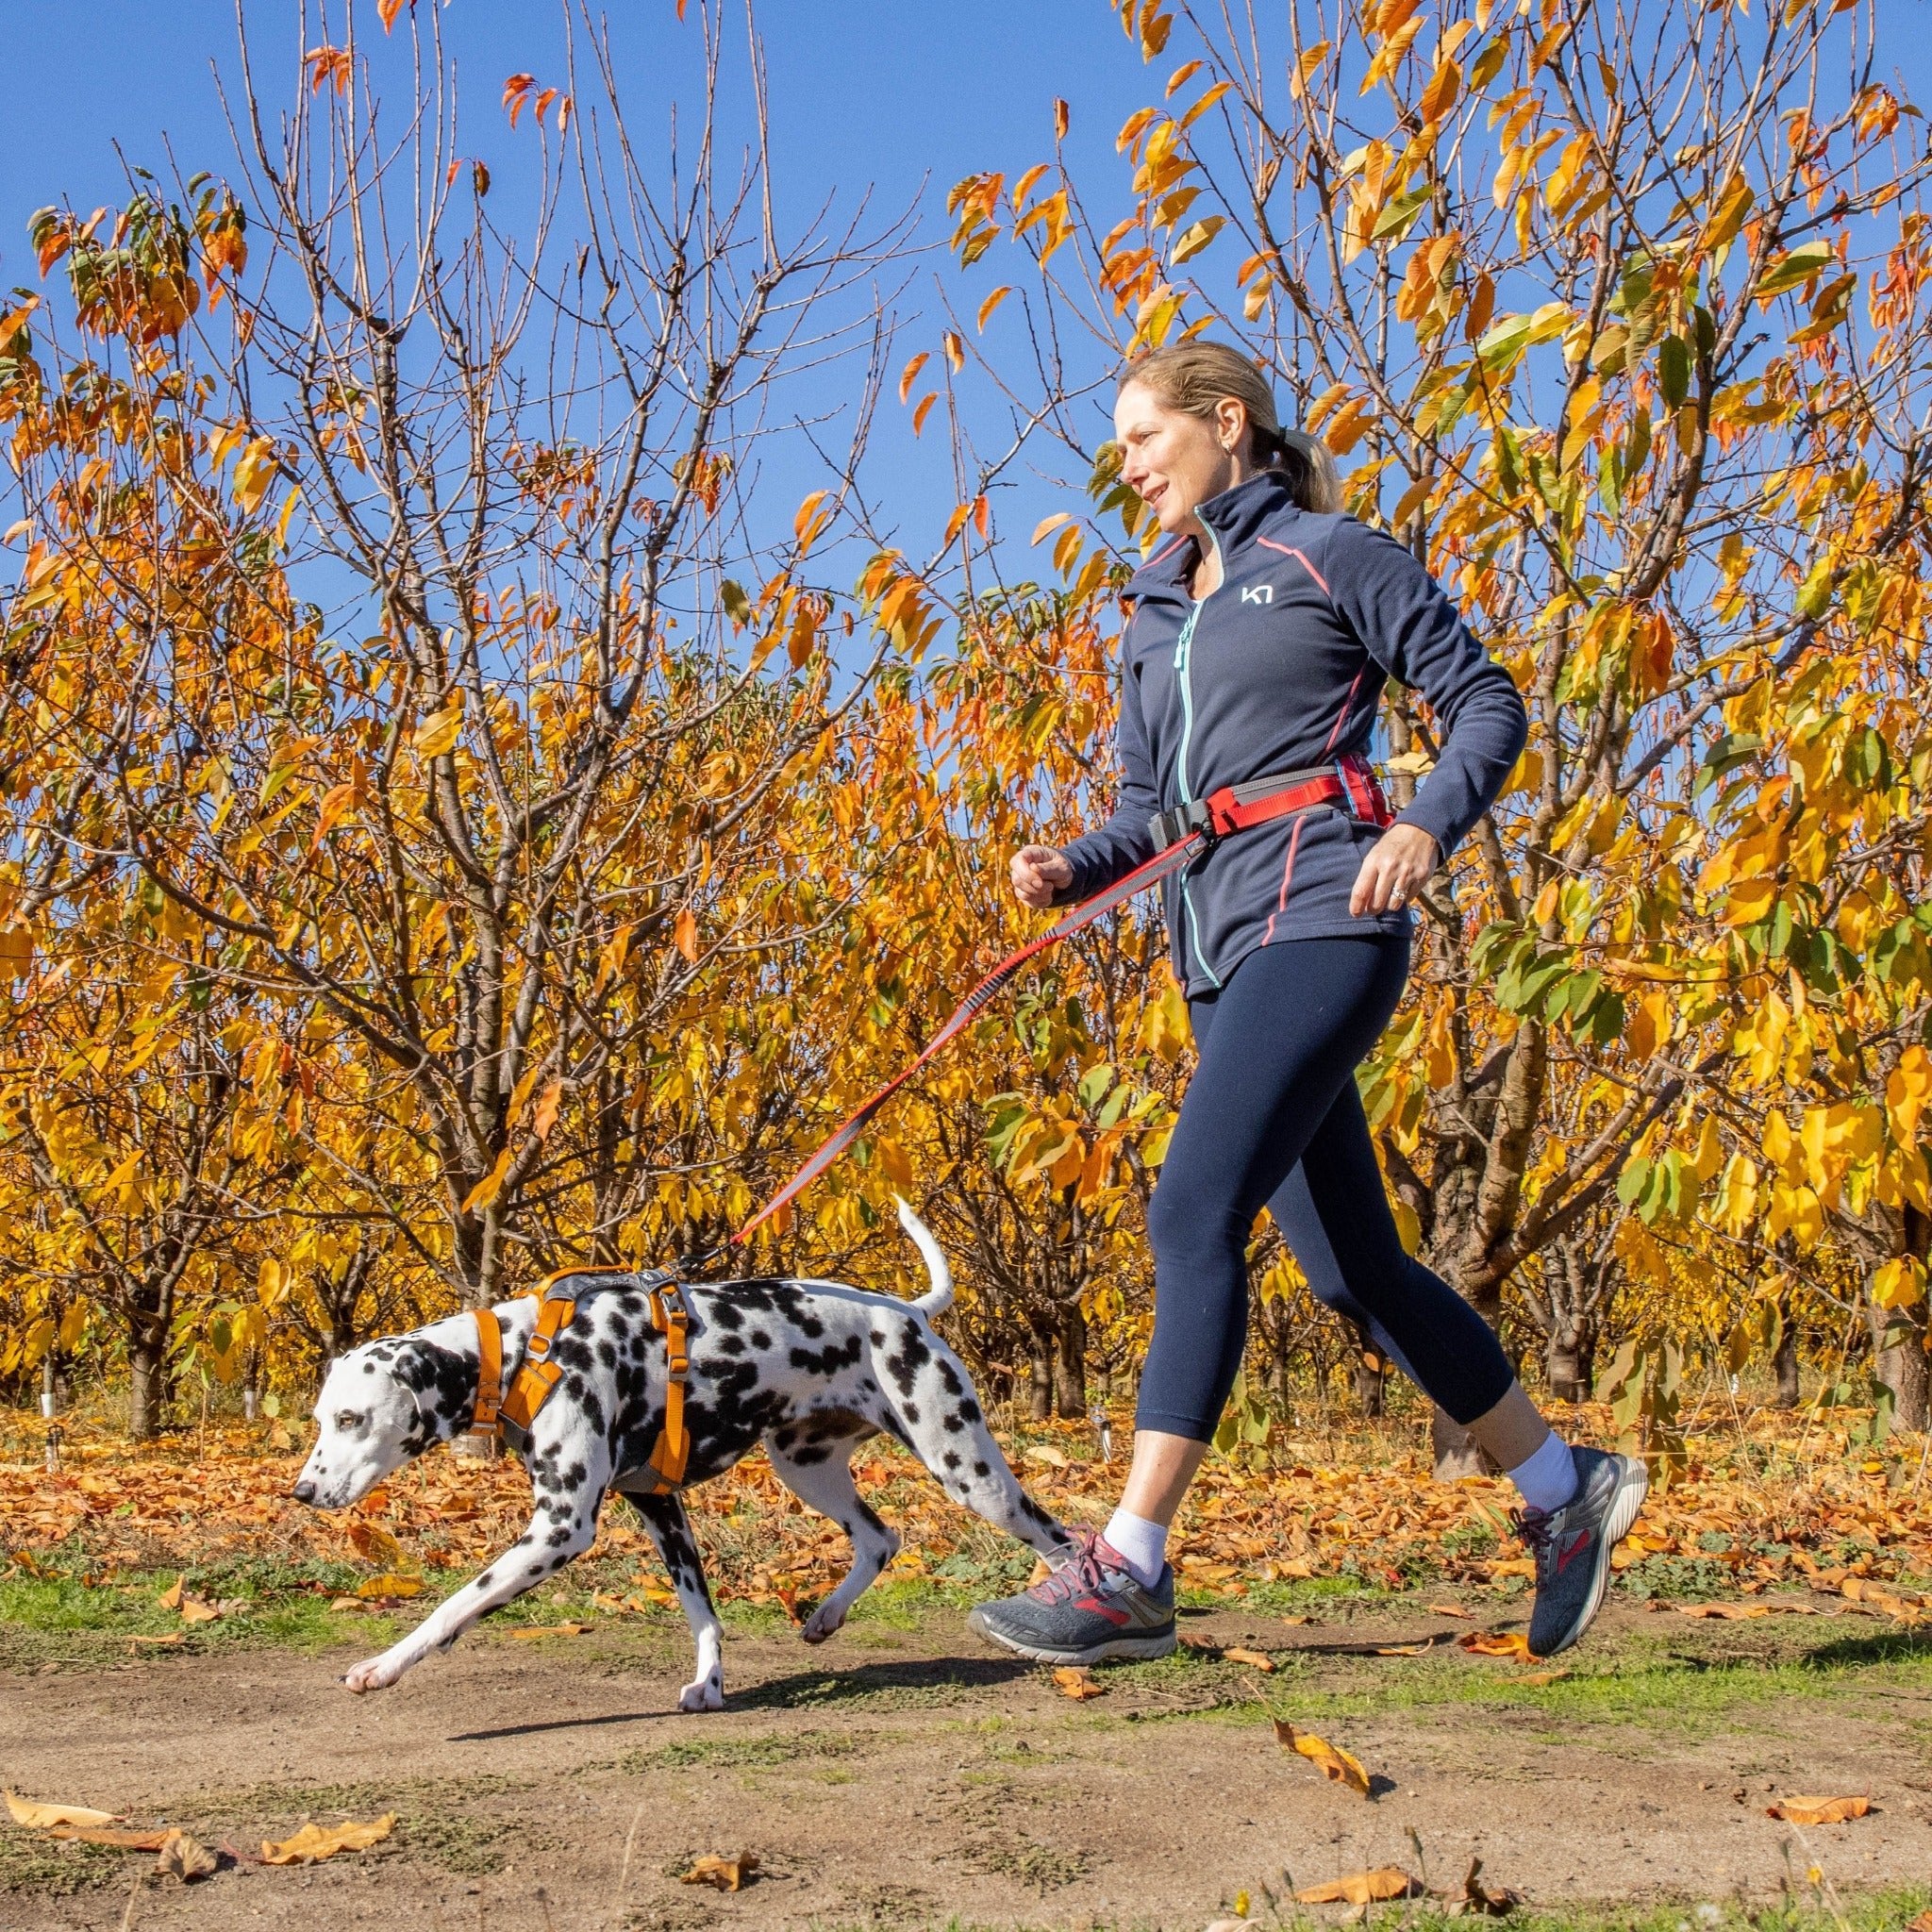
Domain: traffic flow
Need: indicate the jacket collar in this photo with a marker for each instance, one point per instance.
(1235, 517)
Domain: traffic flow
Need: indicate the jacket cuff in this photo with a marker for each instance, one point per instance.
(1438, 823)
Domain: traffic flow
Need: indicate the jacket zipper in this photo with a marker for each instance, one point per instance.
(1183, 659)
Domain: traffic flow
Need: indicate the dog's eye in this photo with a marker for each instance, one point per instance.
(347, 1419)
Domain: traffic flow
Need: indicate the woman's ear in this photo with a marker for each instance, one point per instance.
(1231, 423)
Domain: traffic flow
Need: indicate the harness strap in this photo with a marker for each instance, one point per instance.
(489, 1372)
(511, 1415)
(672, 1450)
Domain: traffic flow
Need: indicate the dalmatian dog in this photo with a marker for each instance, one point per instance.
(810, 1369)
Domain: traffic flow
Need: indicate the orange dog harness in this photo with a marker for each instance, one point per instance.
(506, 1415)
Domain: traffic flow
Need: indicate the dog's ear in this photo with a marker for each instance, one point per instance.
(442, 1380)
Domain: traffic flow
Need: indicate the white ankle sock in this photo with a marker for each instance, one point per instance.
(1142, 1543)
(1548, 1479)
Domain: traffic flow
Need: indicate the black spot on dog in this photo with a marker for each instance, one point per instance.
(829, 1360)
(1034, 1510)
(950, 1460)
(759, 1340)
(951, 1423)
(969, 1411)
(911, 1355)
(731, 1345)
(949, 1378)
(911, 1413)
(982, 1469)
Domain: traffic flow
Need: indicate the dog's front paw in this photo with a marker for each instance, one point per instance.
(373, 1673)
(823, 1622)
(708, 1694)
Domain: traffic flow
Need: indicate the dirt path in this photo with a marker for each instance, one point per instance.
(903, 1777)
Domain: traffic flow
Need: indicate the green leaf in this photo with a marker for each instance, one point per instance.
(1788, 271)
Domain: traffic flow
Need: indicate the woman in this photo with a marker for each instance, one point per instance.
(1263, 627)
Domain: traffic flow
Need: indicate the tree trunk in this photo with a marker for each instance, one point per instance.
(1457, 1452)
(1039, 1377)
(1784, 1361)
(1570, 1363)
(146, 1351)
(1070, 1366)
(1899, 1337)
(1370, 1381)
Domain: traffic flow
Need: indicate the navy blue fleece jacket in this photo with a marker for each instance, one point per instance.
(1281, 670)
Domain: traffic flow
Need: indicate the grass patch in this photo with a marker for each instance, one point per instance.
(437, 1818)
(31, 1862)
(737, 1754)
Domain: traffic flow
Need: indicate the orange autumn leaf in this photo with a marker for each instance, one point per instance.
(39, 1816)
(1259, 1659)
(1335, 1764)
(315, 1842)
(1509, 1643)
(1819, 1810)
(1072, 1681)
(724, 1874)
(1361, 1888)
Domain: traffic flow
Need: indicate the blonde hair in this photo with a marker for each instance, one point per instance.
(1196, 377)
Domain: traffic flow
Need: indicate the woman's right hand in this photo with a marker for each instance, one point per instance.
(1040, 872)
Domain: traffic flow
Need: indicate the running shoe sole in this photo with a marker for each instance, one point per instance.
(1136, 1649)
(1633, 1486)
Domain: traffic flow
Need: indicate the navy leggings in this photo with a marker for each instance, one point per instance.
(1272, 1118)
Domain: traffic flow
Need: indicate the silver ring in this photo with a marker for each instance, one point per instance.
(1398, 901)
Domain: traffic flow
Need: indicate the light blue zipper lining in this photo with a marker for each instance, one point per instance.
(1183, 655)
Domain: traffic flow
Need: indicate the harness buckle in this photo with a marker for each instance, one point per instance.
(1184, 821)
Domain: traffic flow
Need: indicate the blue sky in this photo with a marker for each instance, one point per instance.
(880, 96)
(894, 98)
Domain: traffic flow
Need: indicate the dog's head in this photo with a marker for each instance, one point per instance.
(379, 1406)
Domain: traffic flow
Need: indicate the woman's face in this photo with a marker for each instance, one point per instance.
(1173, 462)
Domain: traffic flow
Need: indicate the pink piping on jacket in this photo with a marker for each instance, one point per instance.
(1347, 703)
(1294, 838)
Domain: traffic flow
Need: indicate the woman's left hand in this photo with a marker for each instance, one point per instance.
(1396, 869)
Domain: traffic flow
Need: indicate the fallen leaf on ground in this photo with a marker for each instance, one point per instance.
(1403, 1649)
(1539, 1677)
(1447, 1611)
(348, 1603)
(1298, 1619)
(1818, 1811)
(788, 1597)
(1496, 1901)
(185, 1859)
(1333, 1763)
(1496, 1644)
(172, 1638)
(125, 1841)
(397, 1583)
(314, 1843)
(39, 1817)
(1071, 1680)
(1730, 1614)
(375, 1545)
(1922, 1924)
(1360, 1888)
(726, 1875)
(564, 1629)
(171, 1599)
(196, 1609)
(1040, 1452)
(1259, 1659)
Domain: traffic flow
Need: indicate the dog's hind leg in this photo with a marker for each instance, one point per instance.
(941, 1421)
(820, 1476)
(670, 1530)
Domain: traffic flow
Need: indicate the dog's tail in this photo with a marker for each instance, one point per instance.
(939, 1296)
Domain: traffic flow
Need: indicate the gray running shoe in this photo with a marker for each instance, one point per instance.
(1089, 1610)
(1572, 1545)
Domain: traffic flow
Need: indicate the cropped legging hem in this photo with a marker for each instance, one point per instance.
(1272, 1118)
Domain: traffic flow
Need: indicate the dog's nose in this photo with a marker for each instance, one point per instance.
(305, 1491)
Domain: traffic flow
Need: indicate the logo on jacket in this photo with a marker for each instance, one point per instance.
(1257, 593)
